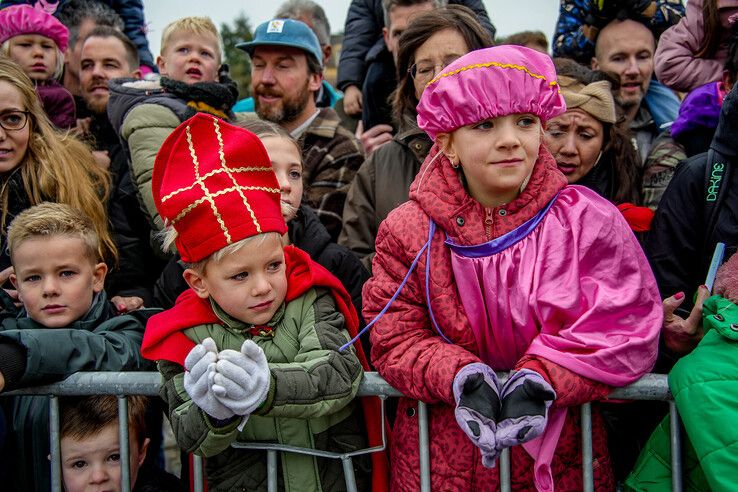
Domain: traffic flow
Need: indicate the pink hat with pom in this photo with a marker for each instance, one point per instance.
(488, 83)
(24, 19)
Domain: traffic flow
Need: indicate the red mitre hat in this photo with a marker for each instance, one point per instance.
(214, 183)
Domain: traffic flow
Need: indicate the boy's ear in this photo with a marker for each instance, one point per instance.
(142, 452)
(14, 280)
(98, 275)
(161, 64)
(196, 282)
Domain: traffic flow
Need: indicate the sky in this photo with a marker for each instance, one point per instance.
(508, 16)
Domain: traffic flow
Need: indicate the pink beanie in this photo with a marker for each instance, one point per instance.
(24, 19)
(488, 83)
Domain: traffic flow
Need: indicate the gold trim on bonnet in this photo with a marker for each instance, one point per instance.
(207, 195)
(491, 64)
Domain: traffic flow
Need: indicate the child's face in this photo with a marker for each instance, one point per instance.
(56, 281)
(287, 165)
(35, 54)
(496, 155)
(190, 57)
(250, 284)
(93, 463)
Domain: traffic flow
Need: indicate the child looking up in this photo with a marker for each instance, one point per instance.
(516, 271)
(251, 351)
(36, 41)
(66, 325)
(144, 112)
(90, 446)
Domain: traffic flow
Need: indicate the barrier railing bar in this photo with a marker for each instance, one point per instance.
(424, 445)
(676, 448)
(55, 444)
(125, 465)
(272, 470)
(587, 471)
(504, 464)
(197, 475)
(348, 473)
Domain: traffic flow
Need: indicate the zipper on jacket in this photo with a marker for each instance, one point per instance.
(488, 223)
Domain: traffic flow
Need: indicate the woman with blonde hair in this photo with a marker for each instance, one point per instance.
(38, 163)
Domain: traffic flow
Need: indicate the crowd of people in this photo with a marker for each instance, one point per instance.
(457, 206)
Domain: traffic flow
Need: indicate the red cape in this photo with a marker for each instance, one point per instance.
(164, 338)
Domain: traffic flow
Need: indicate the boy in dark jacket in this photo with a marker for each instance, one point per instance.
(90, 446)
(251, 352)
(66, 325)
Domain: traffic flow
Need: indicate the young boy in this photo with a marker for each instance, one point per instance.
(90, 446)
(251, 351)
(66, 325)
(144, 113)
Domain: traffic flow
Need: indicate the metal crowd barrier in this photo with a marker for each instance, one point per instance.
(121, 384)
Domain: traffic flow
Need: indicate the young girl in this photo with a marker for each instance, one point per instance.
(36, 41)
(38, 164)
(693, 52)
(514, 270)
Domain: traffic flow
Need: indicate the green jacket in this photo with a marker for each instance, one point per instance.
(705, 388)
(100, 341)
(309, 404)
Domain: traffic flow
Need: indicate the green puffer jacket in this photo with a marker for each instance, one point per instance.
(100, 341)
(705, 388)
(309, 404)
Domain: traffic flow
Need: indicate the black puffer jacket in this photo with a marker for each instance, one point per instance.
(681, 241)
(363, 39)
(307, 233)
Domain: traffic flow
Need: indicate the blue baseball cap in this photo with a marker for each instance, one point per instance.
(285, 32)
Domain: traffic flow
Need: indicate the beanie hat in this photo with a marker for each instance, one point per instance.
(595, 98)
(214, 183)
(488, 83)
(24, 19)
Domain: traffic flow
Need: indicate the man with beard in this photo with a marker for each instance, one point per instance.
(624, 49)
(286, 75)
(105, 54)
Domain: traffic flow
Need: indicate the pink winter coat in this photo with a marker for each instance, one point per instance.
(675, 62)
(412, 356)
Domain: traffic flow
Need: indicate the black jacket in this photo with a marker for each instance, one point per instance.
(307, 233)
(681, 242)
(363, 37)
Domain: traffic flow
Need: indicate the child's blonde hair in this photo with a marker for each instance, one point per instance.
(58, 67)
(49, 220)
(169, 235)
(198, 25)
(57, 166)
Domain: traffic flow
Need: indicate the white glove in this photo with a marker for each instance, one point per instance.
(241, 379)
(198, 364)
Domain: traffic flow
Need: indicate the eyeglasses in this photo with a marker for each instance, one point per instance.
(424, 71)
(12, 121)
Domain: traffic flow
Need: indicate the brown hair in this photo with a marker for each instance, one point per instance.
(54, 219)
(57, 166)
(110, 32)
(82, 417)
(711, 29)
(526, 38)
(422, 28)
(617, 149)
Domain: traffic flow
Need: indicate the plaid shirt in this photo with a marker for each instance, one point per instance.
(331, 156)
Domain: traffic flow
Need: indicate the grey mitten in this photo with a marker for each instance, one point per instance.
(199, 362)
(241, 378)
(526, 397)
(477, 395)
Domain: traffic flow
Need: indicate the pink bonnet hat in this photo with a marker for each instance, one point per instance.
(488, 83)
(24, 19)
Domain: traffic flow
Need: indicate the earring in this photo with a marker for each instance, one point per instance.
(454, 161)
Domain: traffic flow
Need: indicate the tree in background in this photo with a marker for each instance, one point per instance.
(238, 61)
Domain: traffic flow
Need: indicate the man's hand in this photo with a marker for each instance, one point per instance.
(2, 382)
(352, 100)
(83, 126)
(102, 158)
(374, 137)
(127, 304)
(683, 335)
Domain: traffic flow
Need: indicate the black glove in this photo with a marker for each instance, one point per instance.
(526, 398)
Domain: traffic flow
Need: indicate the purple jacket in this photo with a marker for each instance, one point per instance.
(58, 104)
(700, 109)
